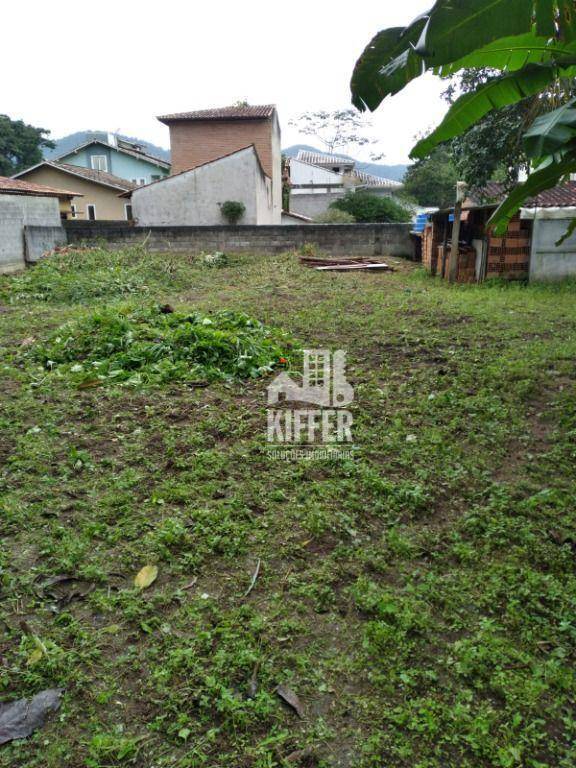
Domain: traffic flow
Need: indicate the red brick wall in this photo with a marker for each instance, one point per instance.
(195, 142)
(509, 256)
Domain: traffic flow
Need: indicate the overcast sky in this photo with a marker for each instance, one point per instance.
(116, 65)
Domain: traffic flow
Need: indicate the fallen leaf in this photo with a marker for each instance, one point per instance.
(145, 577)
(18, 719)
(34, 657)
(90, 383)
(290, 698)
(112, 629)
(28, 341)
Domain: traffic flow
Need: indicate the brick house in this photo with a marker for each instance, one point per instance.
(197, 138)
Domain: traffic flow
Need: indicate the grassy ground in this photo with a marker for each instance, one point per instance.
(419, 599)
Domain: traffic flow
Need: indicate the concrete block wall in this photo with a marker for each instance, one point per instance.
(17, 211)
(314, 204)
(334, 239)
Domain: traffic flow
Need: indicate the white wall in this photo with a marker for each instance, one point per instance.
(16, 211)
(547, 260)
(304, 173)
(193, 198)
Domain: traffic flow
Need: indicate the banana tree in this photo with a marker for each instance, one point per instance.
(531, 43)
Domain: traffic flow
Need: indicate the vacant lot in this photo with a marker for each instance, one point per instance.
(419, 599)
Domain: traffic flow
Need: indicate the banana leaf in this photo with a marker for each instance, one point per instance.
(537, 182)
(551, 132)
(511, 54)
(387, 65)
(471, 107)
(567, 20)
(459, 27)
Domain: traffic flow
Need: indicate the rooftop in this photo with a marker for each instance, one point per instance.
(99, 177)
(562, 196)
(18, 187)
(123, 147)
(376, 181)
(240, 112)
(319, 158)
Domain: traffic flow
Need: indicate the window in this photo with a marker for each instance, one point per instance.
(74, 210)
(128, 212)
(139, 182)
(91, 212)
(99, 163)
(155, 177)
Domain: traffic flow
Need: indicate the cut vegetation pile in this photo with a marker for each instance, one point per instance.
(85, 274)
(157, 344)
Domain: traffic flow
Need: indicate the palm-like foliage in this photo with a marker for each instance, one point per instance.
(531, 42)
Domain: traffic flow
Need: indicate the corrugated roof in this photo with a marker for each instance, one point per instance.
(18, 187)
(319, 158)
(376, 181)
(245, 112)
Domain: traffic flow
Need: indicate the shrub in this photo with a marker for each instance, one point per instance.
(233, 210)
(368, 208)
(335, 216)
(308, 250)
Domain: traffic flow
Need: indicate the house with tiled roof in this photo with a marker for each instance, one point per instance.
(29, 220)
(98, 191)
(203, 136)
(318, 179)
(125, 159)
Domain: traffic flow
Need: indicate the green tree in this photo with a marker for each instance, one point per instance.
(531, 43)
(432, 181)
(20, 145)
(492, 149)
(367, 208)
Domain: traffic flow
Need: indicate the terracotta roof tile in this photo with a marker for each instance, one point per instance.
(101, 177)
(562, 196)
(19, 187)
(247, 112)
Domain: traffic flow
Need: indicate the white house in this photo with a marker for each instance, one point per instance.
(195, 197)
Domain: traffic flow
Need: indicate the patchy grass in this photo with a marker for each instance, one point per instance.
(419, 598)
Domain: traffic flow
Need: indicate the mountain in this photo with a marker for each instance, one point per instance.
(394, 172)
(73, 140)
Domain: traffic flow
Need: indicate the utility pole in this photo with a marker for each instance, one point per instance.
(460, 197)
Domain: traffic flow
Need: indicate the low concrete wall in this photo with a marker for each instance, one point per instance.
(41, 240)
(335, 239)
(16, 212)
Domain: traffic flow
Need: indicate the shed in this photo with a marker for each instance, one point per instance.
(528, 249)
(35, 208)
